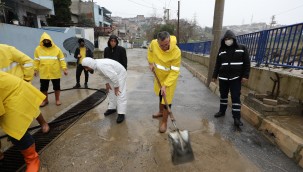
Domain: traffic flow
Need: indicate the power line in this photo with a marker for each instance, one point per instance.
(168, 3)
(148, 2)
(289, 10)
(143, 5)
(161, 1)
(119, 12)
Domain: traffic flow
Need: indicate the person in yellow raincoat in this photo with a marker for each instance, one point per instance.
(19, 105)
(19, 64)
(164, 57)
(49, 60)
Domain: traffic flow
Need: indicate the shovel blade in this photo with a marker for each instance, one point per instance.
(181, 151)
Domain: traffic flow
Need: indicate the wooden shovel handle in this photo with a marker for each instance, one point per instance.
(164, 97)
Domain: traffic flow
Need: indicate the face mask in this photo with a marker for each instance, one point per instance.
(49, 44)
(229, 42)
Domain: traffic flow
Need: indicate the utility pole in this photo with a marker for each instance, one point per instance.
(178, 27)
(273, 21)
(167, 14)
(2, 8)
(217, 30)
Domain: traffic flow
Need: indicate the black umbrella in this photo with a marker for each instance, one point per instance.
(71, 44)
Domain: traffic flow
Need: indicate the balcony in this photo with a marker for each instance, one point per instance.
(42, 7)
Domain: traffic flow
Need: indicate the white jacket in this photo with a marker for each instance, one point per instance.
(110, 69)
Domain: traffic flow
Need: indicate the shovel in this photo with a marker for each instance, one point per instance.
(181, 150)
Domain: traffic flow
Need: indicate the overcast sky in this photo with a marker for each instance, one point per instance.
(236, 12)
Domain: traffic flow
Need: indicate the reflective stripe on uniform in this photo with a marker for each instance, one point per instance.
(62, 59)
(228, 79)
(37, 59)
(48, 58)
(175, 68)
(237, 63)
(236, 104)
(223, 103)
(224, 64)
(234, 78)
(162, 67)
(223, 52)
(28, 65)
(236, 110)
(10, 67)
(240, 51)
(223, 78)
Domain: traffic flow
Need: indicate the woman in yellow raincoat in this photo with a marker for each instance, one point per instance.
(49, 60)
(164, 58)
(19, 105)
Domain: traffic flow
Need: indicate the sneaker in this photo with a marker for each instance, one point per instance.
(120, 118)
(85, 85)
(237, 122)
(219, 114)
(77, 85)
(109, 112)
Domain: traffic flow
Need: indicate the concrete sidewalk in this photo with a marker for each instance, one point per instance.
(284, 131)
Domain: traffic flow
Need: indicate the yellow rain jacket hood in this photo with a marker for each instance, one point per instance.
(15, 62)
(167, 66)
(19, 105)
(49, 60)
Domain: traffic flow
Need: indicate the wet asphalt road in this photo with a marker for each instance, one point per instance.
(97, 143)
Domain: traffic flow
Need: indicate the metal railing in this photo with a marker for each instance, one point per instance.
(197, 47)
(279, 46)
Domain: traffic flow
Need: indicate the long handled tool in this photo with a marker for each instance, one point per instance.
(181, 150)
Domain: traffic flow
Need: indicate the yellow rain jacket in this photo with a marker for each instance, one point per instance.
(15, 62)
(49, 60)
(167, 66)
(19, 104)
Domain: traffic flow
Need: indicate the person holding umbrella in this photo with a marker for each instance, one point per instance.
(49, 60)
(81, 52)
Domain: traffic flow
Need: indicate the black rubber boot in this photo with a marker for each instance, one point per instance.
(120, 118)
(77, 85)
(219, 114)
(109, 112)
(237, 122)
(85, 85)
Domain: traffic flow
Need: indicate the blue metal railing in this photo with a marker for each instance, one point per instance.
(280, 46)
(197, 47)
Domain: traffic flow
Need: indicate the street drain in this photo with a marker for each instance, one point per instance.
(13, 160)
